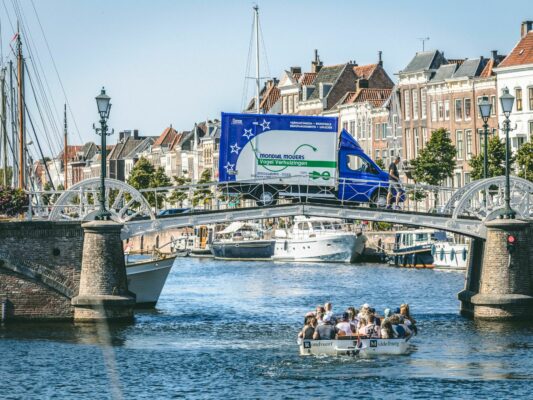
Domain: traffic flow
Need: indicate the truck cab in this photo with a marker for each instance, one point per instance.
(360, 178)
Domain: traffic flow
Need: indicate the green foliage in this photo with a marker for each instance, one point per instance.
(380, 163)
(179, 195)
(12, 201)
(436, 161)
(496, 160)
(145, 176)
(382, 226)
(9, 171)
(524, 160)
(202, 195)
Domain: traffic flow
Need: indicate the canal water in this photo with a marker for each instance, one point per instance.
(228, 330)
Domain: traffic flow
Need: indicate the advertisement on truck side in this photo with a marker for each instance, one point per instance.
(262, 146)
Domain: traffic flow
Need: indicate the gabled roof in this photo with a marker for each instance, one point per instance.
(270, 98)
(364, 71)
(470, 68)
(166, 137)
(307, 78)
(141, 146)
(72, 152)
(376, 97)
(424, 61)
(327, 74)
(122, 149)
(521, 54)
(444, 72)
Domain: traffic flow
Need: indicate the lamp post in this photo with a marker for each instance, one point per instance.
(103, 102)
(485, 108)
(506, 101)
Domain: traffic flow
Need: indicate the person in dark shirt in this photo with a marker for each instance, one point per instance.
(309, 329)
(394, 183)
(326, 331)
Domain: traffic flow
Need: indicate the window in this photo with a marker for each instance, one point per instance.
(468, 108)
(345, 127)
(417, 141)
(459, 144)
(384, 154)
(441, 111)
(468, 137)
(433, 111)
(356, 163)
(377, 133)
(384, 130)
(415, 104)
(352, 127)
(408, 143)
(423, 100)
(424, 137)
(530, 95)
(458, 109)
(458, 179)
(295, 103)
(493, 102)
(407, 104)
(518, 95)
(377, 155)
(446, 110)
(291, 105)
(467, 178)
(284, 105)
(530, 124)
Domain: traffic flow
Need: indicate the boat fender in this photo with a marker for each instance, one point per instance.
(452, 254)
(433, 250)
(464, 254)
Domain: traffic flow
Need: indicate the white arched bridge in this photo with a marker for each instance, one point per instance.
(461, 211)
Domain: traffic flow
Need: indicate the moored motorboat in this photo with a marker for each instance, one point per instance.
(449, 255)
(146, 279)
(242, 241)
(353, 346)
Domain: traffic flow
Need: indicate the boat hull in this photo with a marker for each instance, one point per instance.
(337, 248)
(146, 279)
(450, 256)
(353, 347)
(243, 250)
(413, 257)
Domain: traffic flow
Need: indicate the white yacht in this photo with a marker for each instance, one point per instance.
(318, 240)
(242, 241)
(449, 255)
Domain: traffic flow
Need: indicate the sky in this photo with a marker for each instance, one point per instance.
(176, 62)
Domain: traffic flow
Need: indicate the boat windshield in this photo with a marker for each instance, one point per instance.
(317, 226)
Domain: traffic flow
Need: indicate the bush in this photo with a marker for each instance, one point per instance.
(12, 201)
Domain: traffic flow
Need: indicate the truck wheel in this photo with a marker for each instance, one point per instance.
(266, 197)
(379, 199)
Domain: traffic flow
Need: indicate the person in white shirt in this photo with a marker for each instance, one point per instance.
(344, 326)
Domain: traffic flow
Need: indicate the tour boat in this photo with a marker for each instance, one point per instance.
(318, 240)
(242, 241)
(146, 279)
(353, 346)
(449, 255)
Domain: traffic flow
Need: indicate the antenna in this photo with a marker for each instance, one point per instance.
(424, 40)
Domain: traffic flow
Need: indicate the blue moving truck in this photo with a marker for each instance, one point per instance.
(271, 156)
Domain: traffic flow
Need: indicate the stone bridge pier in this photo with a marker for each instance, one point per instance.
(499, 279)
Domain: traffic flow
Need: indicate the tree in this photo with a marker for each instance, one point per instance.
(496, 160)
(202, 195)
(145, 176)
(380, 163)
(179, 195)
(12, 201)
(436, 161)
(524, 160)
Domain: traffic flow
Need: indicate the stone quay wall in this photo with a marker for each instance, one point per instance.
(40, 264)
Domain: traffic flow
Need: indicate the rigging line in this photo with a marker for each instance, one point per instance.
(244, 102)
(57, 72)
(39, 109)
(44, 98)
(264, 48)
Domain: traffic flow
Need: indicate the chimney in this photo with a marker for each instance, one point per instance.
(316, 65)
(380, 61)
(494, 54)
(296, 70)
(525, 28)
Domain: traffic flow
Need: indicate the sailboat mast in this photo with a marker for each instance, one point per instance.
(4, 128)
(257, 78)
(14, 176)
(22, 141)
(65, 159)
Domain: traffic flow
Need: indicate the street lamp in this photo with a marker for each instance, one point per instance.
(103, 102)
(506, 101)
(485, 108)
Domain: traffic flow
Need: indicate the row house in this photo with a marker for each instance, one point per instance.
(438, 93)
(269, 99)
(133, 156)
(516, 73)
(128, 141)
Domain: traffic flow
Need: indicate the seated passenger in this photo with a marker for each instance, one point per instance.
(372, 329)
(386, 330)
(361, 328)
(344, 328)
(309, 329)
(352, 319)
(326, 331)
(377, 320)
(364, 311)
(400, 330)
(409, 320)
(320, 312)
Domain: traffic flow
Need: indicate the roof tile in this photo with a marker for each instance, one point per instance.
(521, 54)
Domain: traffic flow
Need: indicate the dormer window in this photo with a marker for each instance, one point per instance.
(307, 91)
(324, 89)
